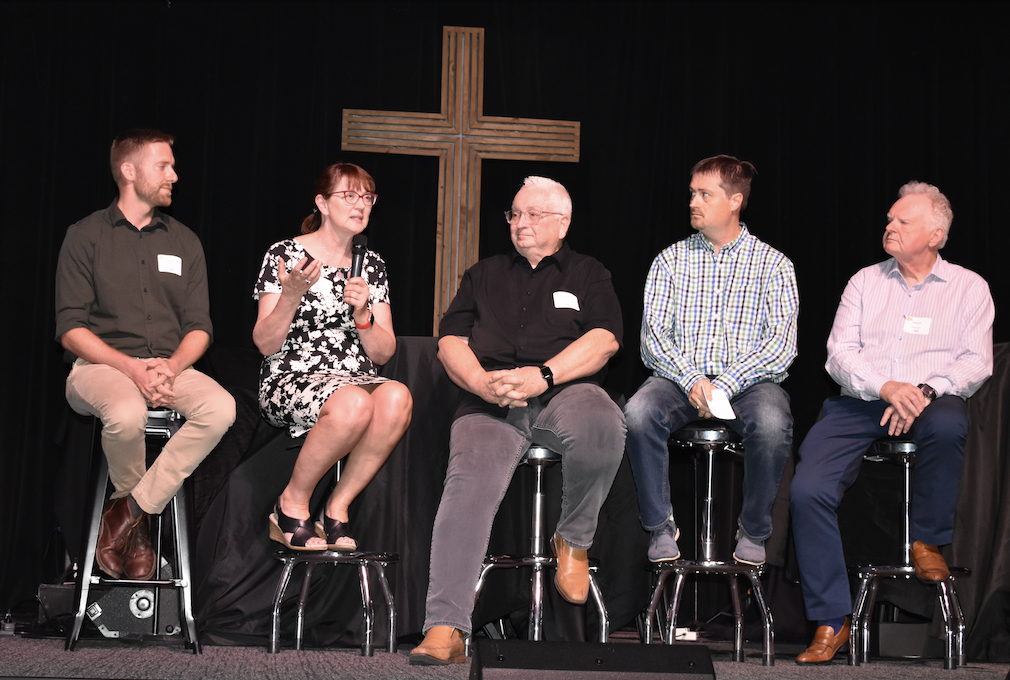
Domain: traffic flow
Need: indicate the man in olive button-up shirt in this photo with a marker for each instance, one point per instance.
(132, 307)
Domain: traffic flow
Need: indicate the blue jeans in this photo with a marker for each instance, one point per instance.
(581, 423)
(829, 461)
(764, 421)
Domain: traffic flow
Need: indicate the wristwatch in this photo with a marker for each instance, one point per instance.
(928, 391)
(548, 376)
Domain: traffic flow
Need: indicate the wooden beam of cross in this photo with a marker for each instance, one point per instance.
(461, 136)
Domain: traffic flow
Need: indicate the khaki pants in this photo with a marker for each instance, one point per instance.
(104, 392)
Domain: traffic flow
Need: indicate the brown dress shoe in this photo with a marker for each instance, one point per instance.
(442, 646)
(116, 520)
(572, 575)
(825, 644)
(928, 562)
(139, 559)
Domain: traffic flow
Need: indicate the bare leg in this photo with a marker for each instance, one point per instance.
(392, 407)
(367, 423)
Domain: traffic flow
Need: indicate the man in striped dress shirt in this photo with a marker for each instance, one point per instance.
(912, 339)
(720, 313)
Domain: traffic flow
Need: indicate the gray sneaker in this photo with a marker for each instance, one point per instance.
(663, 542)
(748, 550)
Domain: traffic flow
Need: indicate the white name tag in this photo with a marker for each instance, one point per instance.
(917, 325)
(565, 300)
(170, 264)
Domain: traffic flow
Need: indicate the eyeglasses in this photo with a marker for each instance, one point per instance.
(534, 217)
(351, 197)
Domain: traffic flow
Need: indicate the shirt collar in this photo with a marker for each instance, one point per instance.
(559, 258)
(158, 221)
(940, 271)
(703, 242)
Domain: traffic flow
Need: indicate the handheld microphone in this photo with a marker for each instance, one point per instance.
(358, 254)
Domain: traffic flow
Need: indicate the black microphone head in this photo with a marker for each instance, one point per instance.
(358, 254)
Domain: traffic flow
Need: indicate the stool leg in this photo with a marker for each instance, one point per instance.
(949, 625)
(274, 645)
(485, 570)
(671, 613)
(302, 599)
(766, 618)
(86, 561)
(180, 517)
(390, 604)
(601, 608)
(367, 649)
(652, 610)
(958, 613)
(537, 604)
(855, 622)
(734, 591)
(864, 622)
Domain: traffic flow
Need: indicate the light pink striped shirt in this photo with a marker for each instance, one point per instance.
(937, 332)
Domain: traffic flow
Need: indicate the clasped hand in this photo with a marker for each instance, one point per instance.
(156, 382)
(513, 387)
(906, 404)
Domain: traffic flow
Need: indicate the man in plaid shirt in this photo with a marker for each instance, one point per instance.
(720, 314)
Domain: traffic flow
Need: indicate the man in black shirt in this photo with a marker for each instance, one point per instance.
(132, 306)
(527, 337)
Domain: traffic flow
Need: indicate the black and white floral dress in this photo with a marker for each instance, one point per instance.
(323, 351)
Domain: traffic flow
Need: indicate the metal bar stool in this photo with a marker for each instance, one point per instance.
(162, 423)
(363, 560)
(901, 451)
(538, 458)
(708, 438)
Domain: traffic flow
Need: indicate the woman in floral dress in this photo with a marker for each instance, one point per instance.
(322, 335)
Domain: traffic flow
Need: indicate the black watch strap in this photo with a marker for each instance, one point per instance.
(928, 391)
(548, 376)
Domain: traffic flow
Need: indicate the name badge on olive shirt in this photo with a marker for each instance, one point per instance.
(170, 264)
(917, 325)
(565, 300)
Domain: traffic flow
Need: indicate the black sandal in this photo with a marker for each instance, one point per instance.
(301, 530)
(333, 530)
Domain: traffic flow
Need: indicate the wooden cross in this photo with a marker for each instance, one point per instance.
(461, 136)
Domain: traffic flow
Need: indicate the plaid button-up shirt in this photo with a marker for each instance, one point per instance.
(730, 314)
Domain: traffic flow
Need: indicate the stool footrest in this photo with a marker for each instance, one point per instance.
(701, 567)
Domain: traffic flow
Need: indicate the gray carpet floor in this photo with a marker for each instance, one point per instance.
(110, 659)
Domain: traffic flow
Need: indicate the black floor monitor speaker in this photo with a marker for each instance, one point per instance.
(524, 660)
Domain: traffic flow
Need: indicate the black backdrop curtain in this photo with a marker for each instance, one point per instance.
(836, 104)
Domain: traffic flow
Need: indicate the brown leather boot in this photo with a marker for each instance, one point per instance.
(442, 646)
(572, 575)
(138, 555)
(116, 520)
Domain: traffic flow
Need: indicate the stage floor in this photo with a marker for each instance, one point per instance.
(22, 657)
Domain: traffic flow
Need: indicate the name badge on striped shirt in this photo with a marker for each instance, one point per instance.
(565, 300)
(917, 325)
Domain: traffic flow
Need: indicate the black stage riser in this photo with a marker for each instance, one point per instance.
(524, 660)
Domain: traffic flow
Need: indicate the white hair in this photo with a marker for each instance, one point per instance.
(943, 214)
(559, 195)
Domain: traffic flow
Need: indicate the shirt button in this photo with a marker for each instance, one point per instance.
(148, 318)
(143, 262)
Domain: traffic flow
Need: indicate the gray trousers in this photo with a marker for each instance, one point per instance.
(581, 423)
